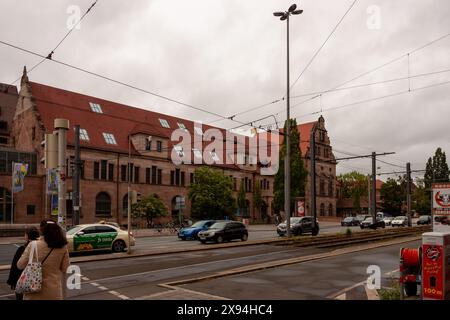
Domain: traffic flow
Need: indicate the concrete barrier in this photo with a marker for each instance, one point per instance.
(14, 230)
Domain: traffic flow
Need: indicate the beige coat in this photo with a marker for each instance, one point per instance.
(53, 270)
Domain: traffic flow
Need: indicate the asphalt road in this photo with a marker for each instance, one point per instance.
(138, 278)
(172, 242)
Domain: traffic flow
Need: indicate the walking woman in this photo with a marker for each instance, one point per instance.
(31, 233)
(54, 256)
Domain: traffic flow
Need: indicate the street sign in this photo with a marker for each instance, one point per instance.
(441, 207)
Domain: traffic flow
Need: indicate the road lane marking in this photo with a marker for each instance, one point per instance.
(183, 267)
(103, 288)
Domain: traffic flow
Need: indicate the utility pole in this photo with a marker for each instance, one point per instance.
(312, 153)
(408, 193)
(287, 160)
(62, 125)
(129, 196)
(374, 188)
(76, 179)
(369, 200)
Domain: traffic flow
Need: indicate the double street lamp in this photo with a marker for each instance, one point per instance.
(287, 168)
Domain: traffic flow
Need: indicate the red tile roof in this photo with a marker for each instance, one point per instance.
(117, 119)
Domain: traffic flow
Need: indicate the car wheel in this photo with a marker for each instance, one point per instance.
(203, 241)
(315, 231)
(244, 237)
(118, 246)
(219, 239)
(411, 289)
(183, 238)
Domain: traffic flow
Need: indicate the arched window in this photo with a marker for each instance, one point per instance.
(322, 209)
(103, 204)
(322, 187)
(330, 210)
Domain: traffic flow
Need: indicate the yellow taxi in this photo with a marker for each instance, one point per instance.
(98, 237)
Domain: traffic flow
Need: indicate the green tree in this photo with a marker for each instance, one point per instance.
(353, 185)
(242, 199)
(149, 207)
(436, 169)
(257, 199)
(392, 196)
(211, 195)
(298, 171)
(421, 201)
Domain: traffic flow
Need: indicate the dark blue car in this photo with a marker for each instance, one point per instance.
(192, 231)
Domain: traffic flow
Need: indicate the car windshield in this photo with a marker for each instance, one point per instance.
(348, 219)
(293, 220)
(400, 218)
(199, 224)
(423, 218)
(218, 225)
(74, 230)
(369, 219)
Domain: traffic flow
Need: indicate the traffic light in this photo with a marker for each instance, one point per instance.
(50, 145)
(135, 196)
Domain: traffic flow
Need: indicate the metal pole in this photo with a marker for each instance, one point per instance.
(408, 193)
(62, 125)
(369, 203)
(12, 192)
(76, 179)
(287, 160)
(374, 189)
(312, 153)
(129, 196)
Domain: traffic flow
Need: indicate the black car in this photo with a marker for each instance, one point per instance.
(224, 231)
(368, 223)
(424, 220)
(350, 221)
(299, 225)
(361, 218)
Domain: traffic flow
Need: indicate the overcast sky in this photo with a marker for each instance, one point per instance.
(227, 56)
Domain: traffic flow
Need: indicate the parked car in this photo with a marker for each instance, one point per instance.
(361, 218)
(222, 231)
(368, 223)
(387, 221)
(98, 237)
(424, 220)
(400, 221)
(192, 231)
(299, 226)
(349, 221)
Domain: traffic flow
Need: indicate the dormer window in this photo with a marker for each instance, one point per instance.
(95, 107)
(84, 135)
(109, 138)
(164, 123)
(182, 126)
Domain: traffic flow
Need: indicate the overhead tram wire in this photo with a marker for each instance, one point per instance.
(49, 56)
(204, 110)
(323, 44)
(371, 70)
(370, 100)
(304, 69)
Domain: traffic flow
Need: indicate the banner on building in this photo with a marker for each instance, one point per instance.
(441, 207)
(19, 172)
(52, 181)
(54, 204)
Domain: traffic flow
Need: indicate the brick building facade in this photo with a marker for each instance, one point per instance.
(105, 130)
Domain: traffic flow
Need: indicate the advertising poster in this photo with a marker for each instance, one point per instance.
(19, 172)
(432, 271)
(54, 204)
(441, 207)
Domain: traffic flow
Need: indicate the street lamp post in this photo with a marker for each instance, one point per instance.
(287, 168)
